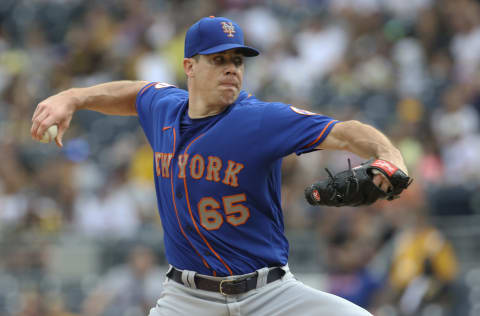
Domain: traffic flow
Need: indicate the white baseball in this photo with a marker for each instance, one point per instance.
(50, 134)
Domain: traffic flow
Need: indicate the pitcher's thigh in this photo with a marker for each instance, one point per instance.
(181, 301)
(292, 297)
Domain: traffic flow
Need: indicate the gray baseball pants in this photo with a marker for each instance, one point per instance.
(283, 297)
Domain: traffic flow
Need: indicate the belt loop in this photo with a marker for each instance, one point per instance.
(191, 279)
(288, 274)
(170, 269)
(262, 277)
(188, 278)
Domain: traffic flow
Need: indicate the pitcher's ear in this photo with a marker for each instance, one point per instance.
(189, 66)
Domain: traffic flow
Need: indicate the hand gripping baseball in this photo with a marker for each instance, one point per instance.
(55, 110)
(355, 186)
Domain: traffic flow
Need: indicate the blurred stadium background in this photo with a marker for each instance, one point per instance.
(79, 231)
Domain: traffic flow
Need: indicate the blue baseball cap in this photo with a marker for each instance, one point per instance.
(213, 35)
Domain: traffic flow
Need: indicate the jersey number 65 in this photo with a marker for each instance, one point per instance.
(235, 212)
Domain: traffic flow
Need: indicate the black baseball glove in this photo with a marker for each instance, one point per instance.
(354, 187)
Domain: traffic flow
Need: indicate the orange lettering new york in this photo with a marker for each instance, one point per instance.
(210, 169)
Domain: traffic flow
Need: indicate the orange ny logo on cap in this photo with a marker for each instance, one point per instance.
(228, 28)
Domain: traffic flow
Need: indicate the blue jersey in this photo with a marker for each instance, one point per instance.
(218, 179)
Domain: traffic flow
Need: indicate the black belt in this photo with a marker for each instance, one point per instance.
(227, 286)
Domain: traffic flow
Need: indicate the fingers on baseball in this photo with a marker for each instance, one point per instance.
(58, 141)
(61, 130)
(40, 126)
(34, 127)
(41, 120)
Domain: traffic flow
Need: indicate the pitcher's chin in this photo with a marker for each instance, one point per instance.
(229, 95)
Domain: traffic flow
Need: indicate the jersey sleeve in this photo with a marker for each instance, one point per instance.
(148, 104)
(287, 129)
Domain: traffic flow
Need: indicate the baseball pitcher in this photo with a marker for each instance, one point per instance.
(217, 161)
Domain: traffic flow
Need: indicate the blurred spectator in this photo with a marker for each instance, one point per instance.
(13, 202)
(130, 289)
(351, 251)
(465, 45)
(456, 127)
(31, 304)
(424, 267)
(111, 212)
(35, 303)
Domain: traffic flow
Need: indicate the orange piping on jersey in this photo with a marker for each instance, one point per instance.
(146, 87)
(176, 211)
(193, 219)
(321, 134)
(249, 95)
(165, 128)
